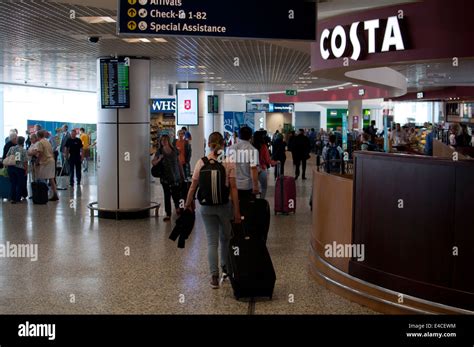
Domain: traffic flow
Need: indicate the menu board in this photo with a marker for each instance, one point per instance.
(115, 83)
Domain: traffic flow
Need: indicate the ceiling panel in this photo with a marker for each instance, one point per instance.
(49, 48)
(40, 45)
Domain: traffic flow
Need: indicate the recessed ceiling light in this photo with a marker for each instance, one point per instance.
(341, 87)
(97, 20)
(20, 59)
(306, 73)
(160, 39)
(202, 67)
(137, 40)
(355, 85)
(325, 89)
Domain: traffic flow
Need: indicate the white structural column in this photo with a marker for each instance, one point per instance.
(2, 114)
(123, 142)
(355, 109)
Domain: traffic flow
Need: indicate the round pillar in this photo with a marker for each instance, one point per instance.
(123, 142)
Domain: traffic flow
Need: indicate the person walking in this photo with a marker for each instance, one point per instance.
(172, 176)
(300, 150)
(264, 159)
(245, 157)
(18, 172)
(74, 155)
(279, 155)
(216, 216)
(184, 148)
(85, 139)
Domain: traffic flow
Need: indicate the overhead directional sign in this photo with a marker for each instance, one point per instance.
(262, 19)
(291, 92)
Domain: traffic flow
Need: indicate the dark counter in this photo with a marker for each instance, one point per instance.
(411, 249)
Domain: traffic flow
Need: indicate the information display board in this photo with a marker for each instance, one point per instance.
(115, 83)
(213, 104)
(263, 19)
(187, 104)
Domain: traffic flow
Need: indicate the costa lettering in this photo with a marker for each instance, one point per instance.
(334, 44)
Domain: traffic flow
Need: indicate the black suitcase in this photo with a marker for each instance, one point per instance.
(250, 267)
(40, 193)
(257, 217)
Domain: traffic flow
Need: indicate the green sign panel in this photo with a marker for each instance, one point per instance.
(291, 92)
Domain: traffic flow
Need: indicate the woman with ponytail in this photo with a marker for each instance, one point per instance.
(216, 208)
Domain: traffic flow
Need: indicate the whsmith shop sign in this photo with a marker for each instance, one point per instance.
(163, 106)
(262, 19)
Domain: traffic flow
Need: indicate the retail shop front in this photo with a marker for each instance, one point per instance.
(394, 235)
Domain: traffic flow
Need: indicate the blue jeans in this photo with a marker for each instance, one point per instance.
(263, 179)
(217, 224)
(17, 179)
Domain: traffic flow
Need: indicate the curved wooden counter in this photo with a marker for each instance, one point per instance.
(406, 268)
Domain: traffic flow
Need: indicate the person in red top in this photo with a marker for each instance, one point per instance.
(264, 160)
(184, 149)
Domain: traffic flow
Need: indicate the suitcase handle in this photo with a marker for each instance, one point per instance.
(278, 168)
(242, 227)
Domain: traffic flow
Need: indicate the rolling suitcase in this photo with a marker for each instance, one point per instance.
(40, 193)
(257, 217)
(5, 187)
(285, 195)
(250, 268)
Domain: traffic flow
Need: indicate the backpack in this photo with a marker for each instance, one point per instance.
(333, 159)
(212, 188)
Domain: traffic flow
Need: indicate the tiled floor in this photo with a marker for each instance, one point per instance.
(83, 268)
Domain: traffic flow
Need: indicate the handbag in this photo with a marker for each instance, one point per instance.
(157, 170)
(10, 160)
